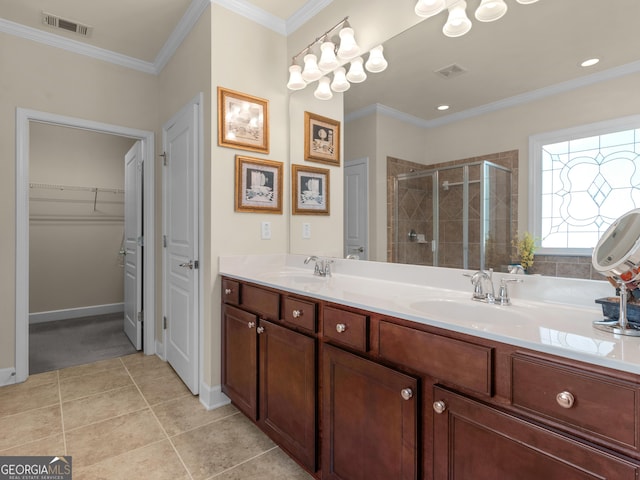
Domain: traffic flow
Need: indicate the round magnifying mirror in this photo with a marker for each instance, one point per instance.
(617, 253)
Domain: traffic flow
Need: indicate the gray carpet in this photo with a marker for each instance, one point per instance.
(66, 343)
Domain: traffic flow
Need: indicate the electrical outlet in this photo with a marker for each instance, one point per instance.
(265, 231)
(306, 230)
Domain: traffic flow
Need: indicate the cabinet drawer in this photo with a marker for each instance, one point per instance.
(264, 303)
(299, 313)
(348, 328)
(448, 360)
(587, 402)
(230, 291)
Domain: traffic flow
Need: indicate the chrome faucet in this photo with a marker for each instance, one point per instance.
(482, 282)
(322, 267)
(503, 292)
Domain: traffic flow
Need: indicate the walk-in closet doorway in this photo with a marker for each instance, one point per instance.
(54, 215)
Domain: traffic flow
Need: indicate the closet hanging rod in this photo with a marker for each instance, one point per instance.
(75, 188)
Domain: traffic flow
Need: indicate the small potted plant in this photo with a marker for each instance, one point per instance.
(526, 247)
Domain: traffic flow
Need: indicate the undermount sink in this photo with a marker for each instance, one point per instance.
(483, 315)
(291, 277)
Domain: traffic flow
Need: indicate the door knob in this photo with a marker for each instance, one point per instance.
(341, 328)
(188, 265)
(260, 330)
(439, 406)
(565, 399)
(406, 393)
(296, 313)
(251, 324)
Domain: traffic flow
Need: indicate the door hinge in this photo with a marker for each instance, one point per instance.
(164, 241)
(141, 316)
(141, 241)
(164, 158)
(164, 323)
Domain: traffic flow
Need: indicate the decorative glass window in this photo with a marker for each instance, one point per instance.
(583, 179)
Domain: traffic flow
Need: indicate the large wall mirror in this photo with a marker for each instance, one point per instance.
(503, 81)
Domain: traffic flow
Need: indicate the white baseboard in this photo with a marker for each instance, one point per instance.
(79, 312)
(7, 376)
(160, 350)
(212, 397)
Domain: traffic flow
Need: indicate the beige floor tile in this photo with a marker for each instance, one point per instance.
(91, 368)
(29, 426)
(161, 389)
(27, 396)
(273, 465)
(85, 385)
(146, 366)
(41, 378)
(218, 446)
(186, 413)
(154, 462)
(100, 441)
(101, 406)
(53, 445)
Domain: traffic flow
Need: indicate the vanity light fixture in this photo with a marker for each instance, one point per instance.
(458, 22)
(336, 53)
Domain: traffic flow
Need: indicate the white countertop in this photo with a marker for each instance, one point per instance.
(552, 315)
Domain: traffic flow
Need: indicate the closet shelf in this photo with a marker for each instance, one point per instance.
(75, 188)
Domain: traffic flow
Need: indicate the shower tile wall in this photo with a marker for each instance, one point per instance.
(415, 212)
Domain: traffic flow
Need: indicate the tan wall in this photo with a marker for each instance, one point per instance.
(52, 80)
(74, 245)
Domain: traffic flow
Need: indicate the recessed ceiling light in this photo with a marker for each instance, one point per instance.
(442, 108)
(589, 63)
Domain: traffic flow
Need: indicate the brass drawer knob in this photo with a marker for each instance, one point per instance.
(439, 406)
(296, 313)
(341, 328)
(565, 399)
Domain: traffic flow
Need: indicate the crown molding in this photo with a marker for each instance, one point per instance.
(258, 15)
(305, 13)
(516, 100)
(75, 46)
(186, 23)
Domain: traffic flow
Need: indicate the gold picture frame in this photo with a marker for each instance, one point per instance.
(243, 121)
(321, 139)
(258, 185)
(310, 192)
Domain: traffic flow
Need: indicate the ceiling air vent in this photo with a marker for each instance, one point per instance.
(451, 71)
(65, 24)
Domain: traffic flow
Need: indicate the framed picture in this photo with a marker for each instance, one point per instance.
(310, 190)
(258, 185)
(321, 139)
(243, 121)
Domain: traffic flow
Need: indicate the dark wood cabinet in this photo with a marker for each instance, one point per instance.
(269, 373)
(288, 390)
(473, 440)
(369, 420)
(240, 359)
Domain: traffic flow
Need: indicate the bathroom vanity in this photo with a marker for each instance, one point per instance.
(389, 372)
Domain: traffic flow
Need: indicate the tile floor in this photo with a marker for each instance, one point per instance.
(131, 417)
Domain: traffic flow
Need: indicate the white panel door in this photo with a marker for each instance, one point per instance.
(181, 279)
(132, 244)
(356, 211)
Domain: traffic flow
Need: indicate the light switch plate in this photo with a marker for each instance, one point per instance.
(265, 231)
(306, 230)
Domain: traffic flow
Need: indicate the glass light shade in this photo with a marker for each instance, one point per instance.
(296, 82)
(458, 23)
(340, 83)
(348, 46)
(526, 2)
(356, 71)
(491, 10)
(376, 62)
(429, 8)
(328, 60)
(323, 92)
(311, 72)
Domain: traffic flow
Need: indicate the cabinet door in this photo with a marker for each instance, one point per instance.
(475, 441)
(369, 428)
(239, 359)
(288, 390)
